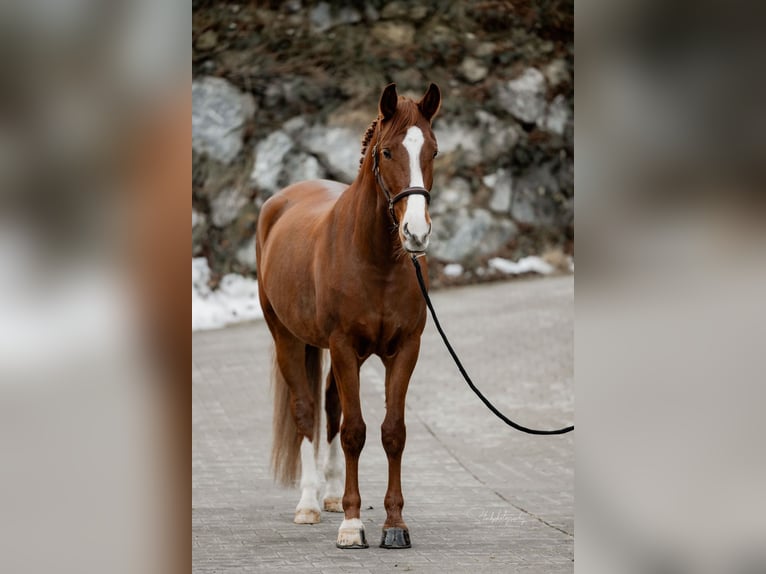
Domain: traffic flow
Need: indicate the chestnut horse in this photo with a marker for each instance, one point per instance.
(335, 273)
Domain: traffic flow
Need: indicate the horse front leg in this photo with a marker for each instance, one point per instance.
(353, 431)
(394, 434)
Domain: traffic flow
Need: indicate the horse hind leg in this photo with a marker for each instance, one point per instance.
(300, 368)
(334, 462)
(307, 511)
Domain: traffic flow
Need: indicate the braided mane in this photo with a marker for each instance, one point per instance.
(367, 137)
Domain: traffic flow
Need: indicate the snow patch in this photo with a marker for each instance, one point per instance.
(235, 300)
(530, 264)
(453, 270)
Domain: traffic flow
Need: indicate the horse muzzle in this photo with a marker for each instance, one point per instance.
(414, 242)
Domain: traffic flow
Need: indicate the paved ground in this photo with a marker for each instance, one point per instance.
(478, 496)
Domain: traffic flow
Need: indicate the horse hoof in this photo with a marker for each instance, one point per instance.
(307, 516)
(351, 535)
(333, 504)
(395, 538)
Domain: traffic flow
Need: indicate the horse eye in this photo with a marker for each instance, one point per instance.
(387, 154)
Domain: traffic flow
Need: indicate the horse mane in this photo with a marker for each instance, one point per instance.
(407, 114)
(366, 139)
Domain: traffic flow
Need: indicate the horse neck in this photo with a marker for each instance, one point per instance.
(366, 210)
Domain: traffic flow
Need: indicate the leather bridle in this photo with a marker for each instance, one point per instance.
(407, 191)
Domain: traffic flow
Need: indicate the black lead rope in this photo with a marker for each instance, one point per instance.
(463, 372)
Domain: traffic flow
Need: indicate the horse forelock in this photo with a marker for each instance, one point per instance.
(407, 115)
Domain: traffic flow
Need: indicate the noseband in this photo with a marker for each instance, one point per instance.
(415, 190)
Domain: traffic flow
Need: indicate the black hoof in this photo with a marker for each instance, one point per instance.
(395, 538)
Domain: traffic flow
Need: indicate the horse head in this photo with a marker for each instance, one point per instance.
(403, 162)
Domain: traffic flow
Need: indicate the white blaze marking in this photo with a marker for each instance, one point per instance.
(413, 143)
(415, 215)
(333, 469)
(309, 477)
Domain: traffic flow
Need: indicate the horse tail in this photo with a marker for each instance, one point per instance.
(286, 446)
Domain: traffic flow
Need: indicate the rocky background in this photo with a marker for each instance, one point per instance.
(283, 91)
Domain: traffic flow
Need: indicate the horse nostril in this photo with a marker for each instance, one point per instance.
(406, 230)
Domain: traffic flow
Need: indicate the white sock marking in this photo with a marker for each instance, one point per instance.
(351, 533)
(333, 469)
(309, 478)
(415, 215)
(351, 523)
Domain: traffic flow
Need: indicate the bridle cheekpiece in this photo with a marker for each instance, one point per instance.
(407, 191)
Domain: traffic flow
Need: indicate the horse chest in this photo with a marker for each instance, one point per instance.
(380, 327)
(373, 335)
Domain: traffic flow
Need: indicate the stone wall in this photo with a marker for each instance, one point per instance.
(283, 91)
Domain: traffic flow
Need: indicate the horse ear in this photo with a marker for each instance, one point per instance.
(388, 101)
(430, 102)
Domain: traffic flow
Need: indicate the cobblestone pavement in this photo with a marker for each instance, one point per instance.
(479, 496)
